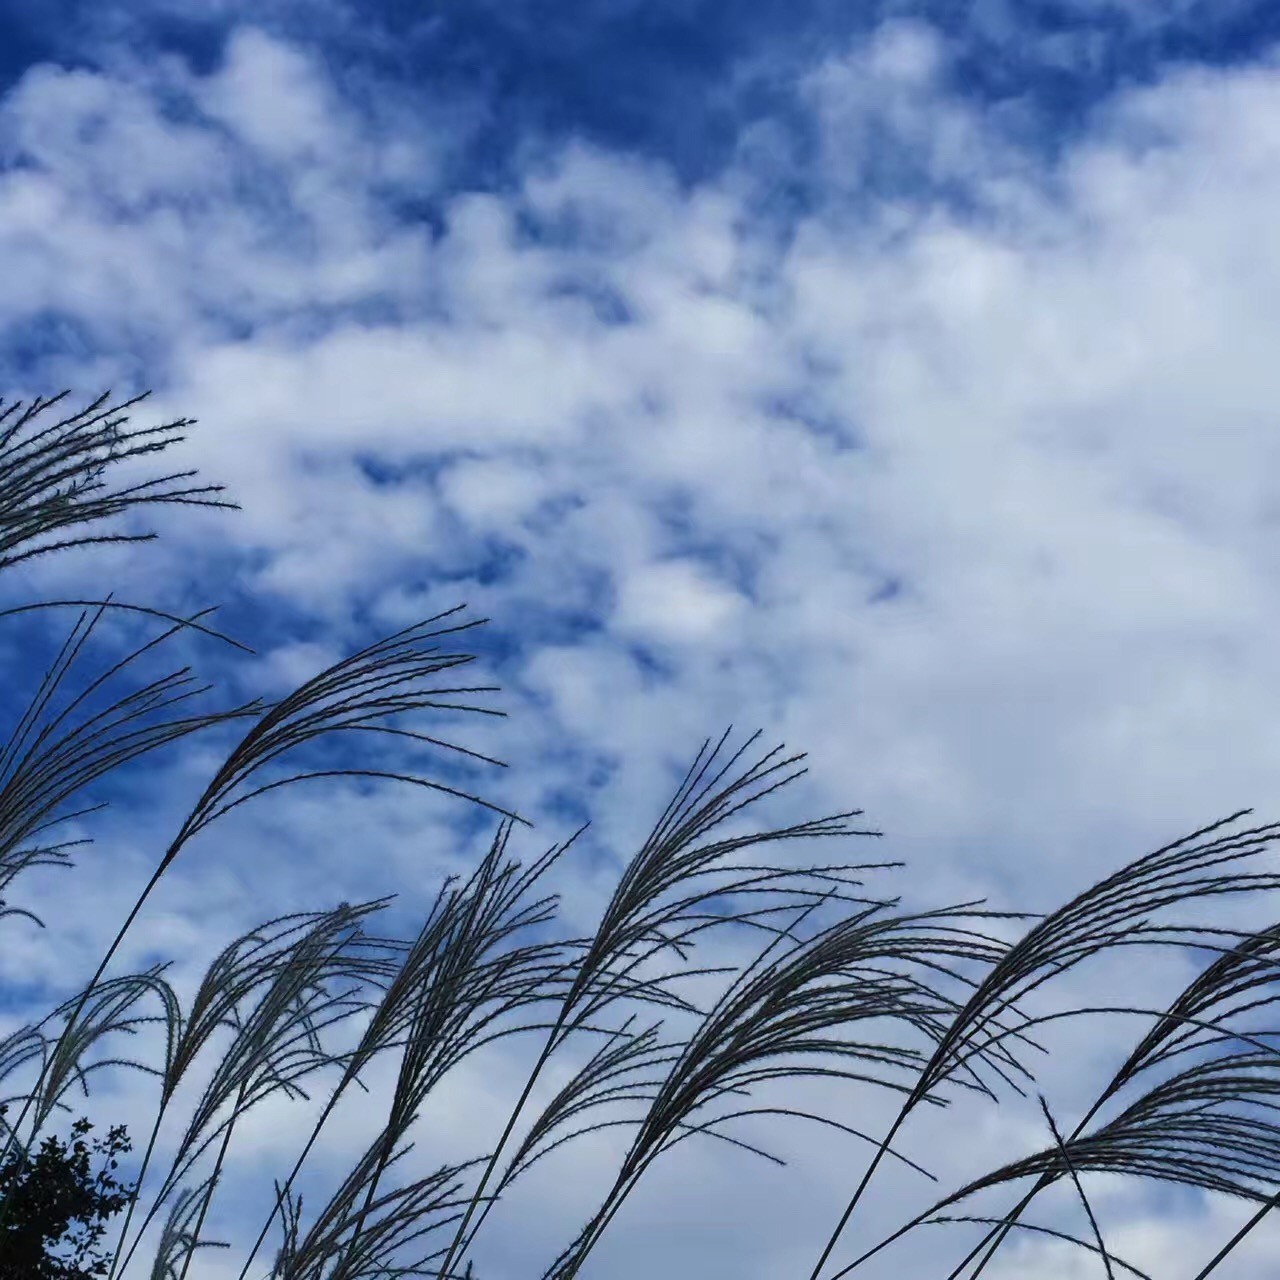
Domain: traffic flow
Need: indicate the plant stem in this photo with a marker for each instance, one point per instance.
(1212, 1264)
(862, 1186)
(25, 1152)
(213, 1180)
(137, 1190)
(547, 1049)
(348, 1076)
(998, 1234)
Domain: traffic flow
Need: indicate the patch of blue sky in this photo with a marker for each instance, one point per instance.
(568, 619)
(887, 591)
(484, 561)
(638, 76)
(655, 668)
(25, 346)
(669, 80)
(49, 352)
(607, 305)
(591, 770)
(665, 77)
(732, 555)
(804, 406)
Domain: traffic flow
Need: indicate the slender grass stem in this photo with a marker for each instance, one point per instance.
(213, 1181)
(118, 1254)
(1212, 1265)
(860, 1190)
(456, 1248)
(284, 1189)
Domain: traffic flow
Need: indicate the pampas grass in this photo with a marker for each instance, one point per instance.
(920, 1007)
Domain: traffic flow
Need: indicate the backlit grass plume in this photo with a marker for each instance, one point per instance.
(1119, 912)
(56, 477)
(722, 966)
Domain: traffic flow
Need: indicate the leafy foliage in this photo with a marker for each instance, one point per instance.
(59, 1207)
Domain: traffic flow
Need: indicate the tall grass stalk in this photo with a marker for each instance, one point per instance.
(919, 1005)
(1116, 912)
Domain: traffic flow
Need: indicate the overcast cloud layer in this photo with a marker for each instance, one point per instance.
(930, 428)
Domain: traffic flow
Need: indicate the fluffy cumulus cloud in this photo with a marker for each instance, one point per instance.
(962, 473)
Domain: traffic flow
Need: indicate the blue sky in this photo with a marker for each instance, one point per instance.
(898, 378)
(676, 81)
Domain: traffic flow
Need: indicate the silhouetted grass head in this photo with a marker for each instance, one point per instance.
(56, 481)
(921, 1006)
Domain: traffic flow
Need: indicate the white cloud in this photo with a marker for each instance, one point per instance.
(675, 601)
(1044, 419)
(273, 97)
